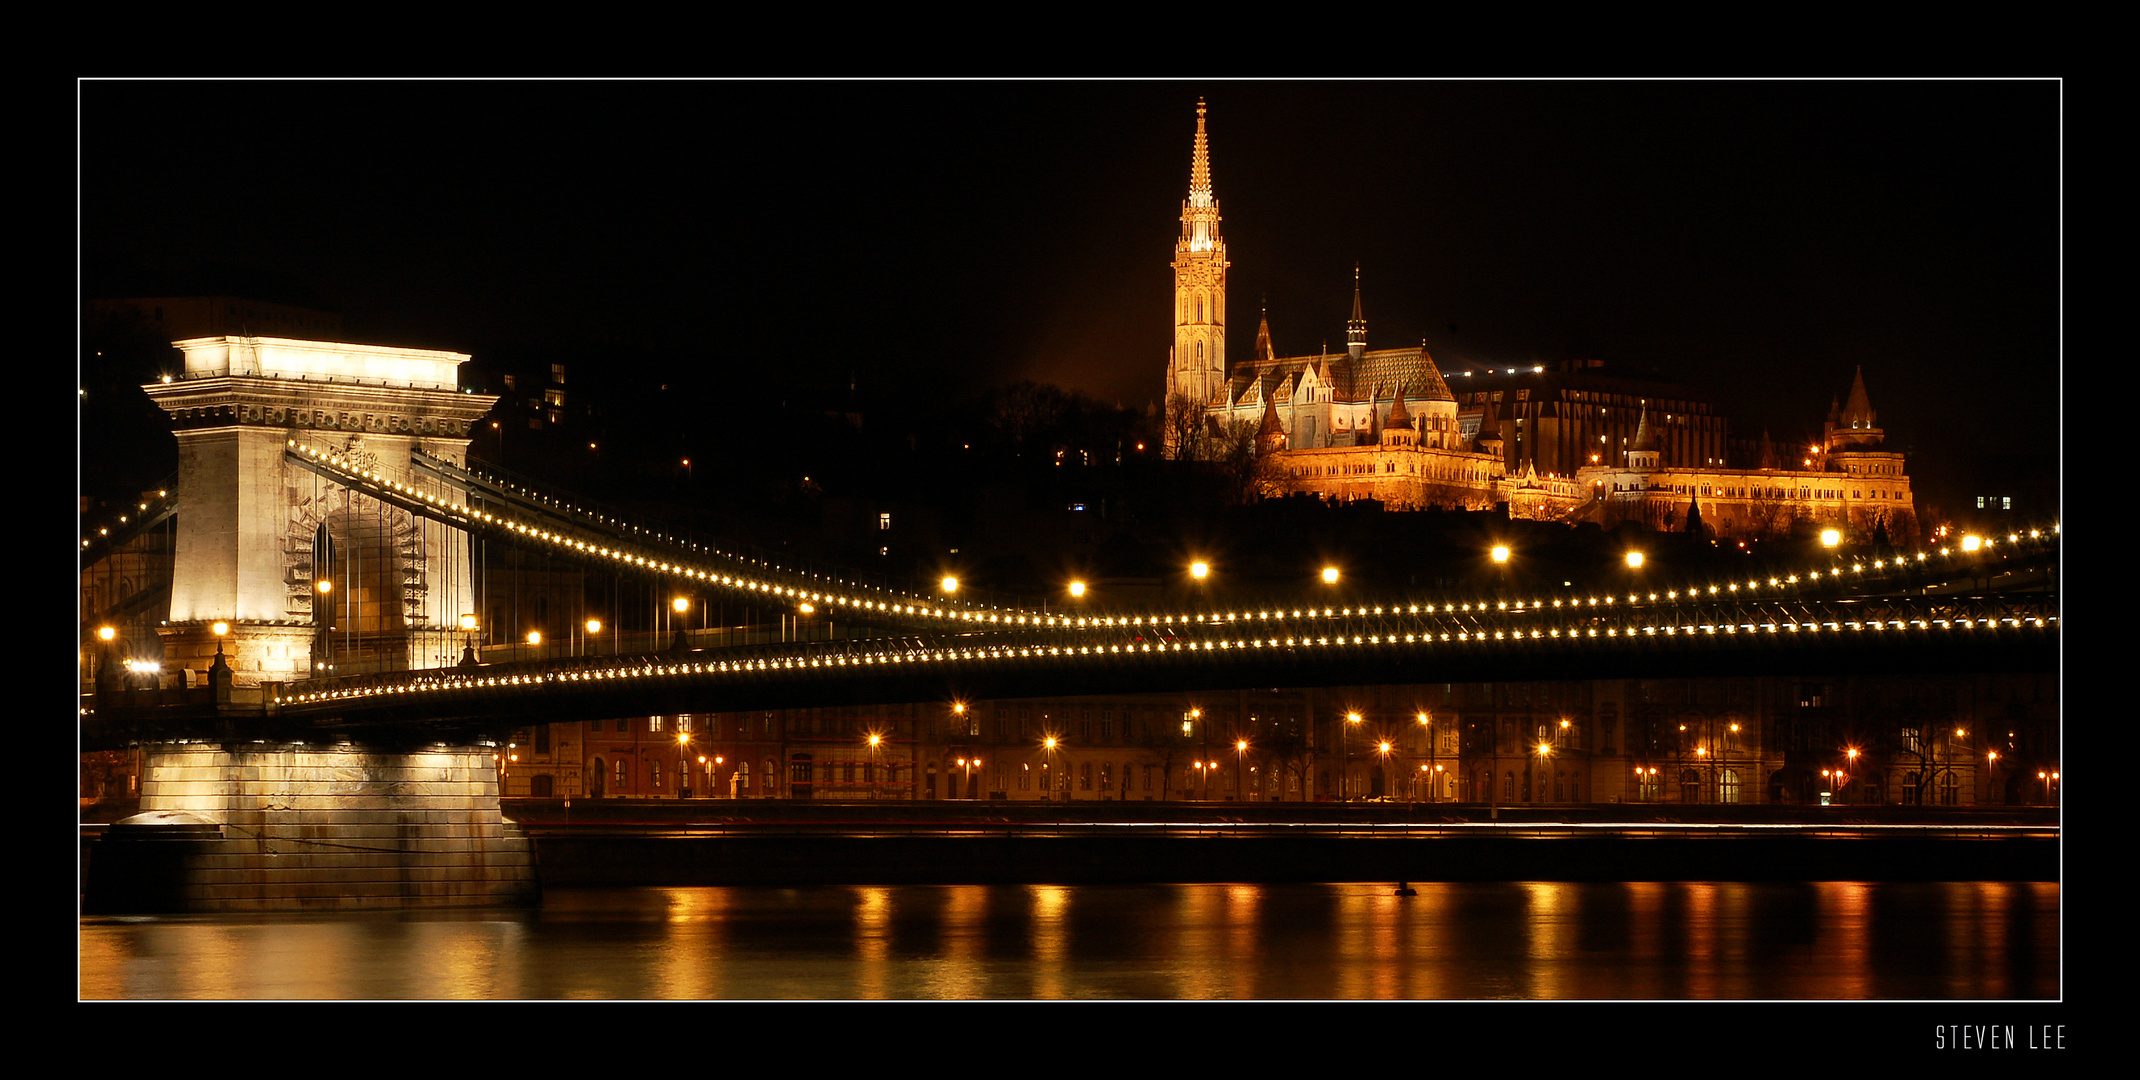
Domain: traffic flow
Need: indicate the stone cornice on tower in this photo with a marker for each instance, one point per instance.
(319, 385)
(288, 358)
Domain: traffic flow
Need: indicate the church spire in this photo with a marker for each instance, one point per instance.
(1196, 365)
(1200, 212)
(1356, 327)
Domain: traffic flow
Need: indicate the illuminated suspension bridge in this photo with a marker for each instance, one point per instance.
(1913, 612)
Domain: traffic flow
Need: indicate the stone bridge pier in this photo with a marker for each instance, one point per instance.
(267, 827)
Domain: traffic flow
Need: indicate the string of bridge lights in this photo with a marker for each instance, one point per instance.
(442, 680)
(105, 530)
(950, 611)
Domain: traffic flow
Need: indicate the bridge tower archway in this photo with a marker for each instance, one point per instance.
(250, 510)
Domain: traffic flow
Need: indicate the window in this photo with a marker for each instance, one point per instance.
(653, 725)
(654, 770)
(620, 772)
(1084, 777)
(884, 522)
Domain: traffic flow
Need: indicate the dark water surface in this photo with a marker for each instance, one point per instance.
(1525, 940)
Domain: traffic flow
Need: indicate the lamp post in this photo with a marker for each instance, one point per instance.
(324, 587)
(1729, 777)
(1240, 776)
(683, 764)
(1545, 752)
(468, 638)
(682, 607)
(876, 742)
(1345, 755)
(1434, 793)
(594, 626)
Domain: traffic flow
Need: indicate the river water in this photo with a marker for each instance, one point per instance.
(1475, 941)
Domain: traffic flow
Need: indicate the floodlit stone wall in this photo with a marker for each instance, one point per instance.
(323, 827)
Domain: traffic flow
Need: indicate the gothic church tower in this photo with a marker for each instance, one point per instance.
(1196, 367)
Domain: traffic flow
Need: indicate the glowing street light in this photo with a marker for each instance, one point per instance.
(1330, 575)
(1634, 560)
(1830, 537)
(949, 584)
(1077, 588)
(1500, 553)
(1199, 570)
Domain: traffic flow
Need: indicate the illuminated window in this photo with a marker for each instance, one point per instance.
(653, 725)
(884, 521)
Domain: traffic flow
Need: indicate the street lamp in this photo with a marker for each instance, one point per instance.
(683, 765)
(1077, 590)
(1199, 570)
(1330, 575)
(949, 584)
(594, 626)
(325, 588)
(1545, 751)
(1345, 755)
(682, 607)
(1426, 726)
(468, 637)
(1240, 779)
(876, 743)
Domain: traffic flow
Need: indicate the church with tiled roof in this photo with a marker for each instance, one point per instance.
(1568, 444)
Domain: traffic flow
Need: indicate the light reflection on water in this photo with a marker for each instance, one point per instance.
(1529, 940)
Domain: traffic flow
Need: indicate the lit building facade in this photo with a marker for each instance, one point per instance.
(1571, 443)
(1962, 740)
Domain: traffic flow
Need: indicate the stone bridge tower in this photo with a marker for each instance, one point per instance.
(310, 575)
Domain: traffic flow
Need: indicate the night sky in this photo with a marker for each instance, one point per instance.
(1758, 238)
